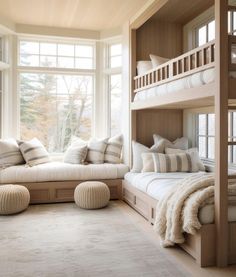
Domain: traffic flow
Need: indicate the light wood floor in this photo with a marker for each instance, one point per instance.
(177, 254)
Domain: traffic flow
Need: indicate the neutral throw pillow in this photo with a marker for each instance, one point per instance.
(143, 67)
(10, 153)
(34, 152)
(183, 162)
(138, 149)
(96, 151)
(157, 60)
(113, 150)
(179, 143)
(76, 154)
(201, 166)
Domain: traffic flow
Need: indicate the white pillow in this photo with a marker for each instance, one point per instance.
(10, 153)
(143, 67)
(138, 150)
(157, 60)
(76, 141)
(180, 143)
(96, 151)
(196, 157)
(113, 150)
(34, 152)
(76, 155)
(182, 162)
(148, 163)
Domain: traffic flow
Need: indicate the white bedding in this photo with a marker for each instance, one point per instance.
(157, 185)
(58, 171)
(195, 80)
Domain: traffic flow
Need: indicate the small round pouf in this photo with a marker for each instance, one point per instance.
(13, 199)
(92, 195)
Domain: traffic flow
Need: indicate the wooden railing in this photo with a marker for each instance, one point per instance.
(191, 62)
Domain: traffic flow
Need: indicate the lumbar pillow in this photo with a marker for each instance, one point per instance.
(148, 164)
(179, 143)
(138, 150)
(10, 153)
(76, 154)
(194, 151)
(183, 162)
(96, 151)
(34, 152)
(157, 60)
(113, 150)
(143, 67)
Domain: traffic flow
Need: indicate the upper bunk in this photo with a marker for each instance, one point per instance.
(186, 79)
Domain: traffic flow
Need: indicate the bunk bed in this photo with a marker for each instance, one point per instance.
(204, 76)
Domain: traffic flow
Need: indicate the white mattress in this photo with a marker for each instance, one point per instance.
(157, 185)
(195, 80)
(58, 171)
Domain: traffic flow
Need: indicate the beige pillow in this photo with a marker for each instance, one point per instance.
(148, 164)
(179, 143)
(196, 157)
(113, 150)
(157, 60)
(96, 151)
(183, 162)
(34, 152)
(76, 155)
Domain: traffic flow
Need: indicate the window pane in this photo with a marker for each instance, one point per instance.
(234, 154)
(202, 124)
(55, 107)
(84, 63)
(29, 60)
(211, 124)
(211, 30)
(66, 50)
(116, 62)
(229, 22)
(202, 36)
(48, 49)
(85, 51)
(48, 61)
(202, 147)
(28, 47)
(115, 90)
(234, 21)
(211, 148)
(115, 50)
(65, 62)
(234, 124)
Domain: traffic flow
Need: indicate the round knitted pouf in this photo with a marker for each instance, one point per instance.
(13, 199)
(92, 195)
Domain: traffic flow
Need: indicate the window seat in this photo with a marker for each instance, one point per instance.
(56, 181)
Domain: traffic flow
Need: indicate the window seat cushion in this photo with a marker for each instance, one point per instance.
(58, 171)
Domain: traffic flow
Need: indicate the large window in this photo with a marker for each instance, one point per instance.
(56, 106)
(62, 55)
(206, 136)
(114, 87)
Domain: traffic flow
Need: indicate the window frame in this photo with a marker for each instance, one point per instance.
(108, 72)
(56, 71)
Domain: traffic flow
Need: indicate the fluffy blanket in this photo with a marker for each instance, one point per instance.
(177, 212)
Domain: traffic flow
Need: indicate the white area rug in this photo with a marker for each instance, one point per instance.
(63, 240)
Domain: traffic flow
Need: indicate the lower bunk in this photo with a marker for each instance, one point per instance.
(200, 246)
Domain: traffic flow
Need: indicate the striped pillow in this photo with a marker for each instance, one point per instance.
(113, 150)
(183, 162)
(75, 154)
(34, 152)
(10, 153)
(96, 150)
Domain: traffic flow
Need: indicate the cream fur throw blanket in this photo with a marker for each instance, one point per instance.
(177, 212)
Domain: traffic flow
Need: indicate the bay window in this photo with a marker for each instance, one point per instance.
(56, 89)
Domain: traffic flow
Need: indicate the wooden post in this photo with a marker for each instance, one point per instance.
(221, 133)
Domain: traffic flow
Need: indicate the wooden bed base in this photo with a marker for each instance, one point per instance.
(201, 247)
(54, 192)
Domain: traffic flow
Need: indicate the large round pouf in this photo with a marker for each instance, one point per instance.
(13, 199)
(92, 195)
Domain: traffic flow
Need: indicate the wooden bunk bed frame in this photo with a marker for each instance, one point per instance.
(215, 243)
